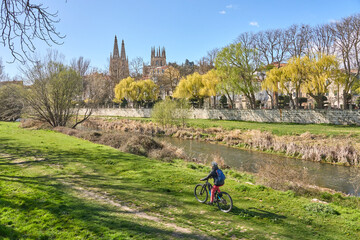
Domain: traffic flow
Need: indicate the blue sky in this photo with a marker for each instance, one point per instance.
(186, 28)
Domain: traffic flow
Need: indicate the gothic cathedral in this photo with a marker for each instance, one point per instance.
(119, 64)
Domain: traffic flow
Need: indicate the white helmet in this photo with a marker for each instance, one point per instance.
(214, 164)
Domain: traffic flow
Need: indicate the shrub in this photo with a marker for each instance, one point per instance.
(326, 196)
(164, 112)
(320, 208)
(242, 188)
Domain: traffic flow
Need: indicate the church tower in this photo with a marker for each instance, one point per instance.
(158, 59)
(119, 64)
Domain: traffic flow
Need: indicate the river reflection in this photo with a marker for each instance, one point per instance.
(339, 178)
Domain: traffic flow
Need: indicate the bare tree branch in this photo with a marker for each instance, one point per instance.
(21, 22)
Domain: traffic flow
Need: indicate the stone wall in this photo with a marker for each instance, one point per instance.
(342, 117)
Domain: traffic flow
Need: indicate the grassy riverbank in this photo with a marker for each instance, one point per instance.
(279, 129)
(335, 147)
(53, 186)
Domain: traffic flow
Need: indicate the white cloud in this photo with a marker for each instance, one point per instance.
(222, 12)
(255, 24)
(229, 6)
(333, 21)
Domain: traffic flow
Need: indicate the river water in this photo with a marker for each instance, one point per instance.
(339, 178)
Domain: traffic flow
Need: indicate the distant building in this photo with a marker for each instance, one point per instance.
(119, 64)
(157, 64)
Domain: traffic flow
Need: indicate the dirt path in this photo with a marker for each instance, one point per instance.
(105, 199)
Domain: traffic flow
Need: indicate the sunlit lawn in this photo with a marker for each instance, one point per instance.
(43, 175)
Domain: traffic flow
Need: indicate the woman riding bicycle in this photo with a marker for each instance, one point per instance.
(217, 183)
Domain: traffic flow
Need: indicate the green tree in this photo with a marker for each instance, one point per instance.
(11, 102)
(55, 93)
(239, 64)
(164, 112)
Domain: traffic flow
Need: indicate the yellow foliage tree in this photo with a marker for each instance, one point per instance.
(324, 71)
(297, 72)
(136, 91)
(150, 91)
(210, 81)
(122, 89)
(189, 87)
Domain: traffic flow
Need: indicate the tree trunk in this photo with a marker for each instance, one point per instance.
(271, 99)
(345, 100)
(231, 101)
(297, 100)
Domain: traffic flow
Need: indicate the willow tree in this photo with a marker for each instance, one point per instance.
(210, 81)
(149, 91)
(297, 70)
(240, 64)
(278, 81)
(122, 89)
(136, 91)
(323, 72)
(190, 87)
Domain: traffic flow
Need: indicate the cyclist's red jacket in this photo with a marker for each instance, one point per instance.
(214, 175)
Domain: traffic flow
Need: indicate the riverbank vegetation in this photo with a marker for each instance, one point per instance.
(55, 186)
(338, 148)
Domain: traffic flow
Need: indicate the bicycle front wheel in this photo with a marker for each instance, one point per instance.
(224, 202)
(200, 193)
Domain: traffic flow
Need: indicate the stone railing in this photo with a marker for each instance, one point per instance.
(340, 117)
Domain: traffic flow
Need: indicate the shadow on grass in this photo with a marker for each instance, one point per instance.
(96, 218)
(255, 212)
(99, 221)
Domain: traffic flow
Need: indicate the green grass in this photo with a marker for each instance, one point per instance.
(44, 178)
(279, 129)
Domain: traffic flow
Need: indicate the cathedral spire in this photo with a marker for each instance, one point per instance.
(163, 54)
(123, 55)
(116, 49)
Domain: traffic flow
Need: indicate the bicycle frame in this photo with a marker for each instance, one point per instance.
(208, 187)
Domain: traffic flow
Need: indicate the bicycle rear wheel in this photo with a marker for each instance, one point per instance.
(224, 202)
(200, 193)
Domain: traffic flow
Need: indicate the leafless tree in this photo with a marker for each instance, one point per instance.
(169, 80)
(21, 22)
(1, 70)
(207, 63)
(299, 37)
(322, 40)
(273, 47)
(80, 65)
(211, 55)
(136, 66)
(247, 40)
(99, 88)
(347, 42)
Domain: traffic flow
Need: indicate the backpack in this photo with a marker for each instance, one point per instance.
(220, 176)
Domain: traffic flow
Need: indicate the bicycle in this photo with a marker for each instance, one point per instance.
(222, 199)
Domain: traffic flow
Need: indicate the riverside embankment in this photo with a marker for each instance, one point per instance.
(341, 149)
